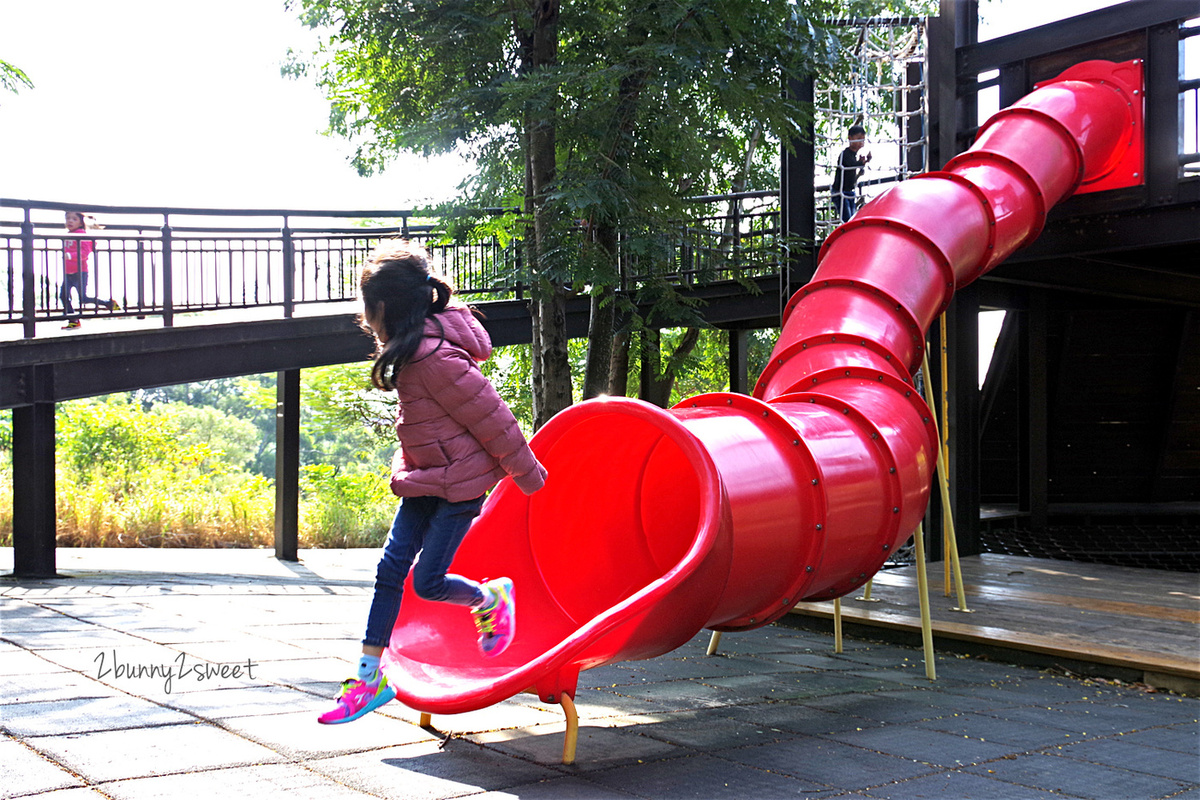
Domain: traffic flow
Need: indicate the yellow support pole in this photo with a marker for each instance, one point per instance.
(948, 520)
(866, 595)
(426, 721)
(923, 600)
(713, 643)
(837, 625)
(572, 735)
(943, 483)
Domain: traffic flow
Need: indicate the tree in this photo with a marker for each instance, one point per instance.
(595, 118)
(12, 78)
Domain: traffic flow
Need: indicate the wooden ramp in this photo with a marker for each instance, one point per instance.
(1134, 624)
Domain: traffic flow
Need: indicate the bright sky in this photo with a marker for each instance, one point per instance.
(159, 102)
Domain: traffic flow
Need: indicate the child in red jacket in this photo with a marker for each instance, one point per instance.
(76, 253)
(458, 439)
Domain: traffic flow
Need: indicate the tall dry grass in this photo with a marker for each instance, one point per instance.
(236, 511)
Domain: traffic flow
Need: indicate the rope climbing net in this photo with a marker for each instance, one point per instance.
(880, 86)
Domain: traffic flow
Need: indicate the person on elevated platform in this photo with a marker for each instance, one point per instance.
(844, 191)
(76, 252)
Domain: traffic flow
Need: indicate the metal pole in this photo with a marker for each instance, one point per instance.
(168, 278)
(34, 522)
(289, 271)
(287, 465)
(28, 280)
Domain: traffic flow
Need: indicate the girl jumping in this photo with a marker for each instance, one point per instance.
(457, 440)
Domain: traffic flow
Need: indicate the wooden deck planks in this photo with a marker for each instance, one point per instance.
(1134, 618)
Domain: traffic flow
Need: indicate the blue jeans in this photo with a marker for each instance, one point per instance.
(433, 527)
(78, 281)
(845, 205)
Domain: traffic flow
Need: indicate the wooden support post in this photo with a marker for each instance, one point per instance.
(837, 625)
(923, 600)
(865, 597)
(287, 465)
(943, 483)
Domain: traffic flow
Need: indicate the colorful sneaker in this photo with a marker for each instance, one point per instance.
(497, 621)
(72, 324)
(357, 698)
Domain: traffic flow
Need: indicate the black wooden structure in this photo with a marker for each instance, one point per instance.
(1092, 403)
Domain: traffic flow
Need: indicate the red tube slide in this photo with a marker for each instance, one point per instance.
(726, 510)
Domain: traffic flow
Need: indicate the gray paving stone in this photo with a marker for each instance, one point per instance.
(20, 661)
(1091, 719)
(953, 786)
(599, 746)
(512, 713)
(241, 702)
(802, 719)
(703, 777)
(687, 668)
(572, 788)
(1181, 738)
(143, 752)
(299, 735)
(28, 772)
(817, 661)
(424, 771)
(931, 747)
(1026, 735)
(1119, 753)
(64, 686)
(677, 695)
(18, 627)
(882, 708)
(832, 733)
(284, 781)
(72, 794)
(1056, 774)
(93, 636)
(610, 675)
(709, 731)
(828, 763)
(597, 706)
(933, 696)
(83, 715)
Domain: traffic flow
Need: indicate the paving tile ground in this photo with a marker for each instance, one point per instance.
(181, 673)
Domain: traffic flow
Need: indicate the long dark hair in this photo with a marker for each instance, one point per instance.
(398, 294)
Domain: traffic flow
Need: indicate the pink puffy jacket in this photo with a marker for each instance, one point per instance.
(457, 437)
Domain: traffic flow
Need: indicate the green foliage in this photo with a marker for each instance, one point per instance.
(347, 510)
(12, 78)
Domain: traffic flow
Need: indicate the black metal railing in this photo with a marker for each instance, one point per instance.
(150, 264)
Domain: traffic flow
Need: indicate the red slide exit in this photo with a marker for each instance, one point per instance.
(726, 510)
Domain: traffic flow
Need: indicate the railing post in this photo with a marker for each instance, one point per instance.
(289, 271)
(28, 280)
(168, 281)
(141, 273)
